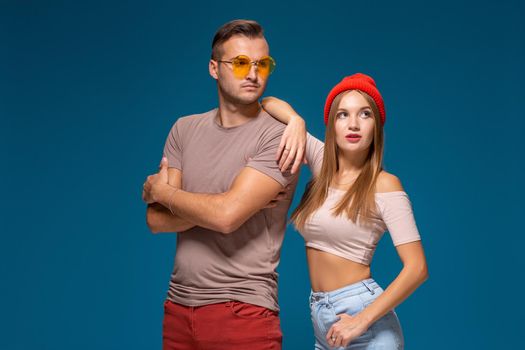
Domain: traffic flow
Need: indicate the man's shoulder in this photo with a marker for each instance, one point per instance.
(194, 119)
(270, 124)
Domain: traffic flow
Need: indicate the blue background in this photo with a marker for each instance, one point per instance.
(89, 91)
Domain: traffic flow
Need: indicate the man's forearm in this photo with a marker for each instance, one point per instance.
(212, 211)
(160, 219)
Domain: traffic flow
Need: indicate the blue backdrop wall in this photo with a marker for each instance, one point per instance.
(89, 91)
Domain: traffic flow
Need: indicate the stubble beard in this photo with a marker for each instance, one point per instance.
(239, 99)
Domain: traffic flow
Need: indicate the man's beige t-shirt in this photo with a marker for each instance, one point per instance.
(212, 267)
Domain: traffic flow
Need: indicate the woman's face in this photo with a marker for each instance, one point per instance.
(354, 123)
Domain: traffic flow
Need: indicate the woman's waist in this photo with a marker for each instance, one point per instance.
(329, 272)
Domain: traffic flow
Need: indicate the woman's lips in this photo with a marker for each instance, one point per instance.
(353, 138)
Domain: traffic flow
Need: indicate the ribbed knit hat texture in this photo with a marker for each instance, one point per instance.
(358, 81)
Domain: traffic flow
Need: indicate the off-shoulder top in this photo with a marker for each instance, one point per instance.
(340, 236)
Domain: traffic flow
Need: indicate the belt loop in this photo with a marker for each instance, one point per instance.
(367, 287)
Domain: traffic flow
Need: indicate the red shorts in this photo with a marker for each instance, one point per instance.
(229, 325)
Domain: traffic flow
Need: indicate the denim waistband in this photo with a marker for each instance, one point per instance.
(365, 286)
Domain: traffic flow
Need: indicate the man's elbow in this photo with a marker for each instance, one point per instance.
(226, 226)
(229, 222)
(152, 227)
(152, 221)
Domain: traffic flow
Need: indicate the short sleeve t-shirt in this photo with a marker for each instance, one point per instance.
(212, 267)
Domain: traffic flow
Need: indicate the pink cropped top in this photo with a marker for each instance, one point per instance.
(355, 241)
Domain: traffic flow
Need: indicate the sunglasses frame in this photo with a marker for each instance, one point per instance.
(250, 62)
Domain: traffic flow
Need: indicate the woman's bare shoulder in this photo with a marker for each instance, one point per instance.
(387, 182)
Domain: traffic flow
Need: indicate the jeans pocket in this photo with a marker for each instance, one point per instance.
(368, 298)
(249, 311)
(350, 306)
(170, 308)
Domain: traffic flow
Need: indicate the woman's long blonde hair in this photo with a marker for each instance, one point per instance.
(359, 200)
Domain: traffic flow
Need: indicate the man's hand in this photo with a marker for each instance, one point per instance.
(156, 183)
(284, 194)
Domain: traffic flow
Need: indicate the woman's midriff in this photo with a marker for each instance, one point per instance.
(330, 272)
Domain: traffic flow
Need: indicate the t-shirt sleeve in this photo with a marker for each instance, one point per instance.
(173, 147)
(264, 160)
(396, 210)
(314, 153)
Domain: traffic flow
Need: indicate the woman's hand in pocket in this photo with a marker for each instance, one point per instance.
(347, 328)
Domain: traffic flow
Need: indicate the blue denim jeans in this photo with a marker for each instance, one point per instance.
(385, 333)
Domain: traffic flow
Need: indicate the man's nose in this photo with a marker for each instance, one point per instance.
(252, 74)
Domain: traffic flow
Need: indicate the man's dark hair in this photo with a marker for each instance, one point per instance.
(250, 29)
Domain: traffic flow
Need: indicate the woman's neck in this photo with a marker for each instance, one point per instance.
(351, 163)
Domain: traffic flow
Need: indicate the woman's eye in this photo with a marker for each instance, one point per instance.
(366, 114)
(341, 115)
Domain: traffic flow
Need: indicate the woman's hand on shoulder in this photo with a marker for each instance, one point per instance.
(293, 142)
(387, 182)
(293, 145)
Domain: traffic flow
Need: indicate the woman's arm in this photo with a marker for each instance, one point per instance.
(280, 110)
(293, 142)
(411, 276)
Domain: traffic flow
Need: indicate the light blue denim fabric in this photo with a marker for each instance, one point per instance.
(385, 333)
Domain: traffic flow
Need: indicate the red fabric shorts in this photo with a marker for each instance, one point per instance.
(229, 325)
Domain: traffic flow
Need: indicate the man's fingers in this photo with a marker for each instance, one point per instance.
(280, 196)
(164, 163)
(163, 172)
(271, 204)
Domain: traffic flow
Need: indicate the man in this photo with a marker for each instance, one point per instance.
(216, 179)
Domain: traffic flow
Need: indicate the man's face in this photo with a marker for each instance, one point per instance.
(244, 90)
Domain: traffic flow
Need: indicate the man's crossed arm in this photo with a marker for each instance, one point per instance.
(159, 218)
(171, 209)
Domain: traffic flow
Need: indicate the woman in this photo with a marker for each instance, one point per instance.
(349, 204)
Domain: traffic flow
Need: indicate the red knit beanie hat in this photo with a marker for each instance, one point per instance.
(357, 81)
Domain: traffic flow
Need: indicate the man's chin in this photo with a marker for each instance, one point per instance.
(249, 98)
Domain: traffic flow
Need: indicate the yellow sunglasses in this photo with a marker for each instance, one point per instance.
(242, 64)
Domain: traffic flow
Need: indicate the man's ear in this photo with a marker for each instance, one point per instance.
(214, 69)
